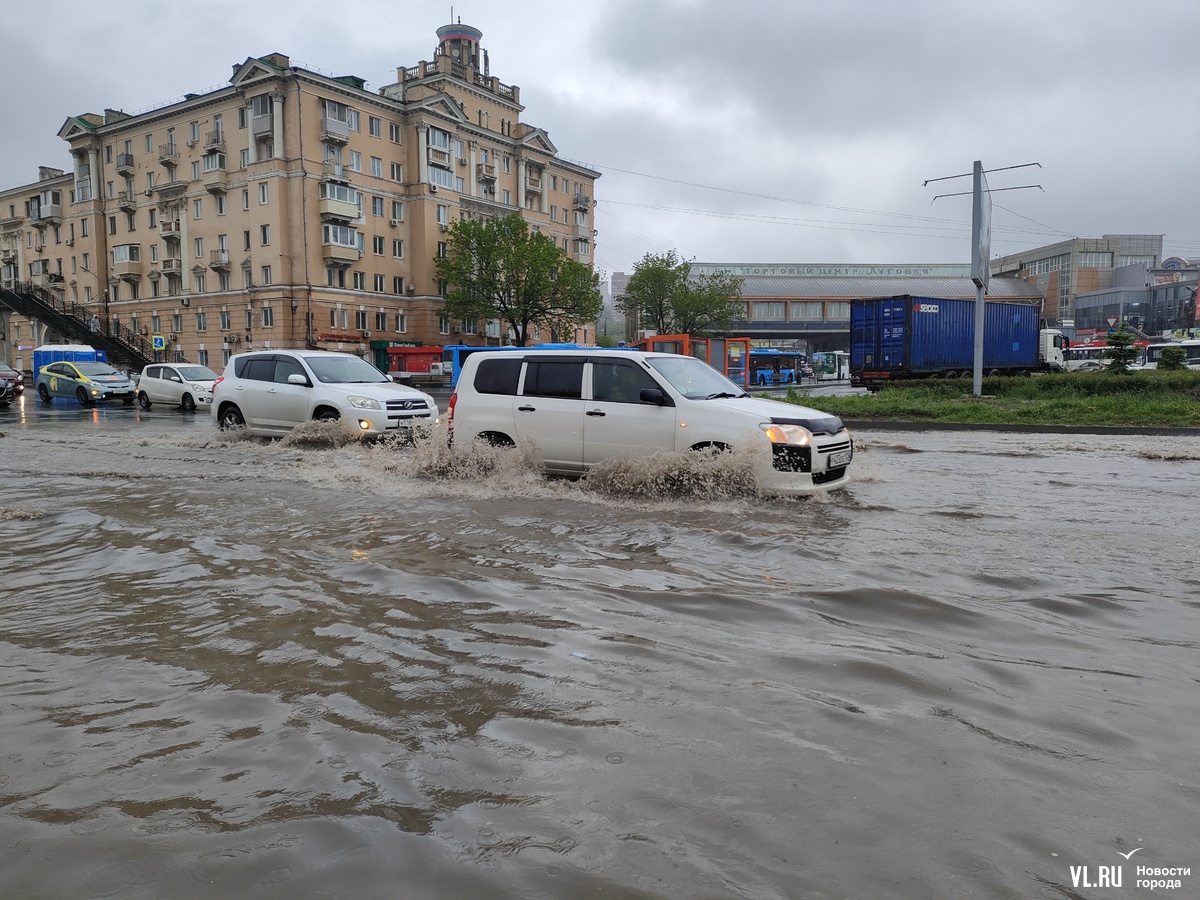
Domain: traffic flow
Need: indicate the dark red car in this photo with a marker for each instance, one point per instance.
(13, 377)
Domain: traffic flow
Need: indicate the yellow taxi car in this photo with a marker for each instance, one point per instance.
(87, 382)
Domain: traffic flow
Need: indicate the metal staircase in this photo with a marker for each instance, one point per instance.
(121, 345)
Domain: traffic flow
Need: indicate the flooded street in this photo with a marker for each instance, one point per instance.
(244, 669)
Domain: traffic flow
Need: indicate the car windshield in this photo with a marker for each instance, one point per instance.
(344, 370)
(694, 379)
(95, 368)
(196, 373)
(6, 368)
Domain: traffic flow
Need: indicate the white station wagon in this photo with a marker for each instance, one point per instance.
(584, 406)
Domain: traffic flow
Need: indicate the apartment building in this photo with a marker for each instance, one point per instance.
(291, 208)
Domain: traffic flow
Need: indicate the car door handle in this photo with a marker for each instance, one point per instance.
(595, 412)
(527, 408)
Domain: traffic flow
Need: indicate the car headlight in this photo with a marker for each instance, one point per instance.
(364, 403)
(199, 389)
(793, 435)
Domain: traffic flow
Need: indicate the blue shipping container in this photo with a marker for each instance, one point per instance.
(915, 336)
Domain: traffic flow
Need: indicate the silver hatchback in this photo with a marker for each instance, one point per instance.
(176, 384)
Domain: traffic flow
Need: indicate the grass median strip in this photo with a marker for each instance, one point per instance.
(1132, 399)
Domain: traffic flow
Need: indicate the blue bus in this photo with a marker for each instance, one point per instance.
(771, 366)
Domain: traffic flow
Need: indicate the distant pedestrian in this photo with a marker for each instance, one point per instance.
(96, 324)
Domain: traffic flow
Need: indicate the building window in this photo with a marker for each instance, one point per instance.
(376, 166)
(397, 284)
(397, 172)
(398, 210)
(377, 244)
(394, 132)
(360, 281)
(245, 199)
(177, 322)
(199, 247)
(379, 283)
(808, 310)
(360, 319)
(201, 322)
(226, 320)
(374, 126)
(198, 208)
(220, 204)
(265, 234)
(355, 161)
(401, 323)
(381, 321)
(377, 206)
(266, 275)
(767, 309)
(838, 309)
(443, 214)
(264, 194)
(268, 314)
(398, 249)
(443, 325)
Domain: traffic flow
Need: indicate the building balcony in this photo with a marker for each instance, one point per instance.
(169, 228)
(340, 255)
(262, 126)
(581, 201)
(219, 260)
(439, 157)
(126, 201)
(335, 171)
(582, 232)
(533, 184)
(215, 180)
(334, 131)
(485, 172)
(173, 266)
(48, 215)
(332, 208)
(215, 140)
(128, 269)
(171, 190)
(124, 164)
(168, 154)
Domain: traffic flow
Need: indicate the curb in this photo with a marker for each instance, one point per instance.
(881, 425)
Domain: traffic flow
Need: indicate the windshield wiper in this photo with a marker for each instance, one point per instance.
(721, 394)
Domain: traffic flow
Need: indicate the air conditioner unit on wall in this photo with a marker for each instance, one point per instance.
(366, 333)
(185, 302)
(172, 336)
(444, 226)
(433, 189)
(393, 222)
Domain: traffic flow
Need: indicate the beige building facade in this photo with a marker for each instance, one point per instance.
(288, 209)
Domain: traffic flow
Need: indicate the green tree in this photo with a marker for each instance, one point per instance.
(664, 296)
(1173, 358)
(501, 269)
(1120, 349)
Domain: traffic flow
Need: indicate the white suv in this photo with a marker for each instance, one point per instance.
(270, 392)
(582, 407)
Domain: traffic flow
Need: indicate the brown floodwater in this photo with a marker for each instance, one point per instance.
(312, 668)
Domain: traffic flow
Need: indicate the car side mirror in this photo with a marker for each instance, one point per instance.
(652, 395)
(298, 379)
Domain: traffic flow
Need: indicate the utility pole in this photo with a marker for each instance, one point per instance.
(981, 246)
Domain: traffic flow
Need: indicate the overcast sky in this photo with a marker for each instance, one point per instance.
(760, 131)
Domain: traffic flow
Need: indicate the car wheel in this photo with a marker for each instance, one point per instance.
(189, 405)
(143, 400)
(495, 439)
(84, 399)
(44, 393)
(326, 415)
(231, 417)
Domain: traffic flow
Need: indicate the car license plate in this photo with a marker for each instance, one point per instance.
(841, 458)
